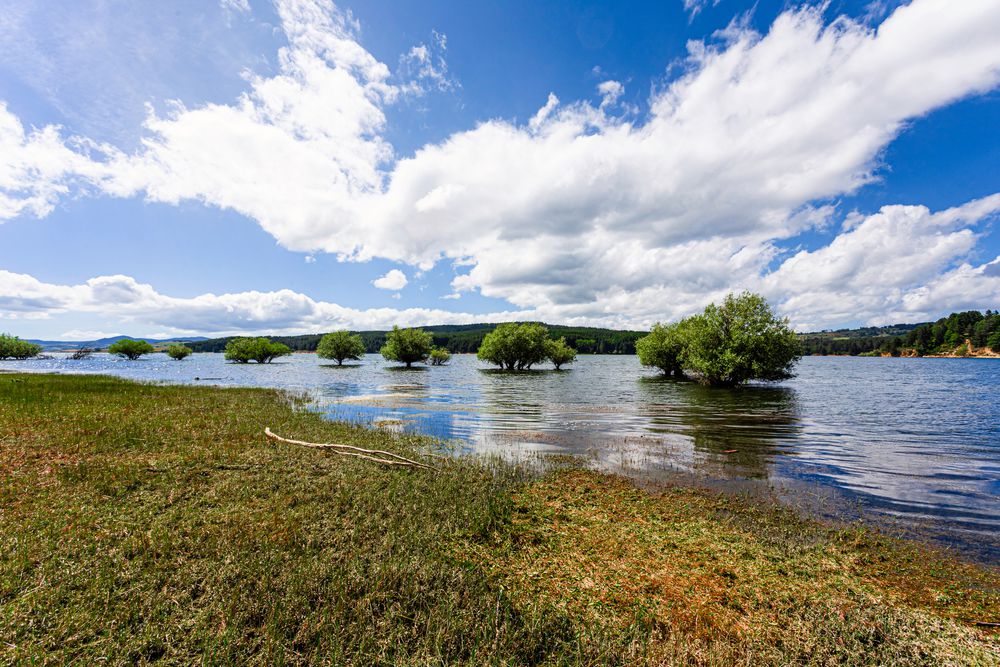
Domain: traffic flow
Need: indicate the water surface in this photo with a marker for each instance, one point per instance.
(909, 444)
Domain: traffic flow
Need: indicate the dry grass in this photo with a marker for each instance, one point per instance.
(715, 578)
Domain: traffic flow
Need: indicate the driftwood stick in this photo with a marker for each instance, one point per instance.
(390, 459)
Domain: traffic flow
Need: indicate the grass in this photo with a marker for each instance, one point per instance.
(145, 523)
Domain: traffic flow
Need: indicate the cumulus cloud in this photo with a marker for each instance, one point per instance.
(393, 280)
(138, 307)
(37, 167)
(580, 213)
(903, 263)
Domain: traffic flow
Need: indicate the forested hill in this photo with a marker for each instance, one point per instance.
(952, 335)
(459, 338)
(946, 336)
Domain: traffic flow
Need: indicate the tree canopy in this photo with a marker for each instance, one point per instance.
(559, 352)
(12, 347)
(130, 349)
(178, 351)
(440, 356)
(407, 346)
(663, 348)
(515, 345)
(340, 346)
(260, 349)
(726, 345)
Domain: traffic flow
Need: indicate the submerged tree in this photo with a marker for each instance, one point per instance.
(130, 349)
(12, 347)
(727, 345)
(514, 346)
(440, 356)
(559, 352)
(739, 341)
(260, 349)
(407, 346)
(340, 346)
(178, 352)
(663, 348)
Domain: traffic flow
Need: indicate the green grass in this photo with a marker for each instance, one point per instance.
(145, 523)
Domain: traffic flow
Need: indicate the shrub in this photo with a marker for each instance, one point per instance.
(440, 356)
(340, 345)
(82, 353)
(260, 349)
(559, 352)
(515, 346)
(12, 347)
(178, 351)
(130, 349)
(663, 348)
(407, 346)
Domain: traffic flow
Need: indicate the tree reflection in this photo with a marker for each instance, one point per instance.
(743, 428)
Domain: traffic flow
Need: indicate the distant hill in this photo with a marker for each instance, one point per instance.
(853, 341)
(460, 338)
(102, 343)
(924, 338)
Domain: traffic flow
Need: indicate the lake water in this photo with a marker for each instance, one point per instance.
(912, 445)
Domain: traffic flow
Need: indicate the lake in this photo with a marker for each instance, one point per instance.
(912, 445)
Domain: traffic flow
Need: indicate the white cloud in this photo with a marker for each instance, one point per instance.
(37, 167)
(580, 214)
(241, 6)
(693, 7)
(610, 92)
(87, 334)
(393, 280)
(140, 309)
(902, 264)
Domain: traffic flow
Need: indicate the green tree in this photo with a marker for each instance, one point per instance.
(12, 347)
(407, 346)
(739, 341)
(178, 352)
(994, 342)
(440, 356)
(339, 346)
(559, 352)
(260, 349)
(663, 348)
(130, 349)
(514, 346)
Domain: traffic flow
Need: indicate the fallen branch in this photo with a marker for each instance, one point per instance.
(390, 459)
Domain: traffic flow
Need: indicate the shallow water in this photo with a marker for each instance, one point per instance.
(910, 444)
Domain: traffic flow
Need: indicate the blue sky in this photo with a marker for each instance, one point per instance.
(211, 168)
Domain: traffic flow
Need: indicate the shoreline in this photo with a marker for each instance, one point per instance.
(173, 502)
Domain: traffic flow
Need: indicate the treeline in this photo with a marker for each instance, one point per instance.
(948, 335)
(462, 338)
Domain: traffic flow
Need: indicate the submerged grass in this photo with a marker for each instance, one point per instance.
(146, 523)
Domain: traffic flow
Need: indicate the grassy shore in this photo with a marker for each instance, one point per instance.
(143, 523)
